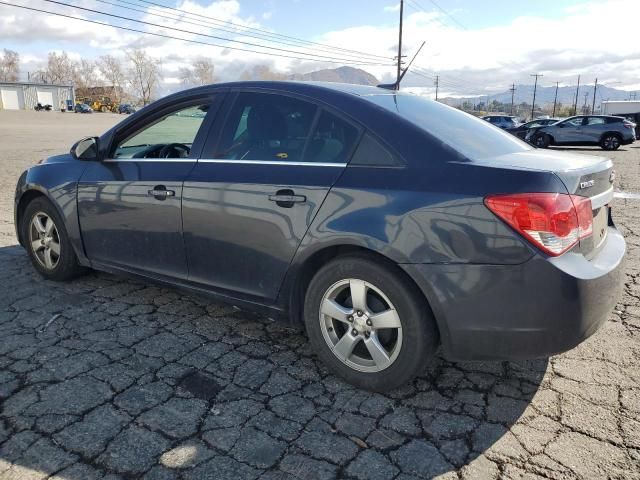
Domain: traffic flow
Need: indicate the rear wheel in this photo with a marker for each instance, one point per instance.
(104, 109)
(47, 242)
(368, 323)
(610, 141)
(541, 140)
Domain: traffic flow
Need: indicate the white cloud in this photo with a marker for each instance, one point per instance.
(392, 8)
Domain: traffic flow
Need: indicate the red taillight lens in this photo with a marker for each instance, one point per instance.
(629, 124)
(553, 222)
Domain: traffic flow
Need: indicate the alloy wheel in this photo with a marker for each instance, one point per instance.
(44, 240)
(611, 142)
(360, 325)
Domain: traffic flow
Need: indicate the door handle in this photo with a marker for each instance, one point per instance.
(160, 192)
(287, 198)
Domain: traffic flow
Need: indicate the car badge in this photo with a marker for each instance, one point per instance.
(587, 184)
(612, 176)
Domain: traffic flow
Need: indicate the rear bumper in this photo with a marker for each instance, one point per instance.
(536, 309)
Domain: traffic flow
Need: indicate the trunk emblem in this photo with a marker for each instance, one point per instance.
(612, 176)
(587, 184)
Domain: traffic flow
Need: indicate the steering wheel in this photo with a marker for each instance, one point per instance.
(174, 147)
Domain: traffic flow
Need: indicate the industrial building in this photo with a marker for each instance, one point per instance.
(25, 95)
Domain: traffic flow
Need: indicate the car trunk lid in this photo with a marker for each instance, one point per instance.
(584, 175)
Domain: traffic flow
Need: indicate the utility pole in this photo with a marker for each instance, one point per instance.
(400, 47)
(555, 100)
(535, 87)
(437, 83)
(513, 91)
(575, 105)
(593, 105)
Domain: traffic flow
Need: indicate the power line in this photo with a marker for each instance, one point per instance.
(253, 29)
(415, 2)
(319, 57)
(162, 35)
(213, 26)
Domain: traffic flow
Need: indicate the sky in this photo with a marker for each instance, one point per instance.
(474, 47)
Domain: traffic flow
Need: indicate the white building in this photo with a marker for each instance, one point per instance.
(25, 95)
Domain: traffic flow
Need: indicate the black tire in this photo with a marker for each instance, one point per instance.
(541, 140)
(66, 266)
(419, 333)
(610, 141)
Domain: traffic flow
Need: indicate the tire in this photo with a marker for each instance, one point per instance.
(610, 141)
(541, 140)
(52, 266)
(406, 349)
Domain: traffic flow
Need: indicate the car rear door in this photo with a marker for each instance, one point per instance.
(130, 203)
(594, 128)
(260, 182)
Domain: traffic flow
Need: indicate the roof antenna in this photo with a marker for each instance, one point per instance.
(403, 72)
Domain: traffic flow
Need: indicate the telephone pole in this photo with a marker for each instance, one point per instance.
(593, 105)
(535, 87)
(575, 105)
(400, 47)
(555, 101)
(513, 91)
(437, 84)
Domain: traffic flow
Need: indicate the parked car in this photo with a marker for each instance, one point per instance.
(360, 213)
(82, 108)
(521, 130)
(606, 131)
(126, 108)
(502, 121)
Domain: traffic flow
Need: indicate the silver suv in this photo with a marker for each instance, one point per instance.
(502, 121)
(606, 131)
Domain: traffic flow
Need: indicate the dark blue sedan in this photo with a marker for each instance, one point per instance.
(388, 225)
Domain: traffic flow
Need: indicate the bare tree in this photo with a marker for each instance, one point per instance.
(261, 72)
(9, 66)
(112, 70)
(84, 74)
(200, 72)
(60, 68)
(144, 74)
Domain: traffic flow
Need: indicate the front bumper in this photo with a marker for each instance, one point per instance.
(533, 310)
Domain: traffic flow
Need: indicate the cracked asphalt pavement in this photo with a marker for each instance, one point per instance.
(106, 377)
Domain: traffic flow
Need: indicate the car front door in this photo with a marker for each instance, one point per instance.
(569, 131)
(130, 203)
(255, 191)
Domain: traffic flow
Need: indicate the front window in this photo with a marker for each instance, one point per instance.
(573, 122)
(170, 136)
(470, 136)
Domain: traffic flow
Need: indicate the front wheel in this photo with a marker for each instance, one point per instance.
(47, 242)
(610, 141)
(541, 140)
(368, 323)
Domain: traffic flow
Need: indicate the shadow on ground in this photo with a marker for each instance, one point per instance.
(106, 376)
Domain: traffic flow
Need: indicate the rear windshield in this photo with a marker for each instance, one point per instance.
(472, 137)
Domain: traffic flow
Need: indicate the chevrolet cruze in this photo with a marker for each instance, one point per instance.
(386, 224)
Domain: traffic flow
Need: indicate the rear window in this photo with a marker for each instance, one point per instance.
(470, 136)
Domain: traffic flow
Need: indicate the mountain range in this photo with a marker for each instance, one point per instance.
(340, 74)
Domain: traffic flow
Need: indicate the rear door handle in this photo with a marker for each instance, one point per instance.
(160, 192)
(287, 198)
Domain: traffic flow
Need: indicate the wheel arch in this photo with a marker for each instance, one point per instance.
(25, 199)
(610, 132)
(298, 280)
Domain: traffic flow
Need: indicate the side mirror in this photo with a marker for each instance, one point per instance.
(86, 149)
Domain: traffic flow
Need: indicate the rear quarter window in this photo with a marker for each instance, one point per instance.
(372, 153)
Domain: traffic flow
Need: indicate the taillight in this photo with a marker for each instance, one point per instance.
(553, 222)
(629, 124)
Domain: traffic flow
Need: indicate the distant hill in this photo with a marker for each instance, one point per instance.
(566, 95)
(341, 74)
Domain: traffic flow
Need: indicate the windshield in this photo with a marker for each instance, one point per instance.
(472, 137)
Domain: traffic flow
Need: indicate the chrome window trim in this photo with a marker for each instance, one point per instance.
(273, 162)
(601, 199)
(112, 160)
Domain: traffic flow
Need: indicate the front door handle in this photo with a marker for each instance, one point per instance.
(160, 192)
(287, 198)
